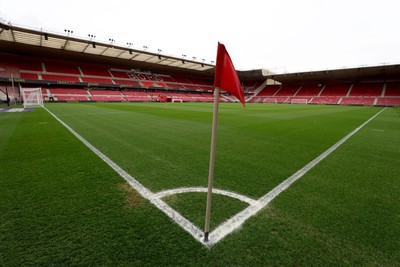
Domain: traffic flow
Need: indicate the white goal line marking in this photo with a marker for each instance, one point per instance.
(231, 224)
(237, 220)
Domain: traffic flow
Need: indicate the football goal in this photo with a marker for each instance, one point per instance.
(298, 101)
(32, 97)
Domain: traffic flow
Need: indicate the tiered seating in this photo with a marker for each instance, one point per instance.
(132, 96)
(8, 68)
(106, 96)
(206, 88)
(199, 97)
(27, 65)
(181, 79)
(71, 98)
(392, 89)
(160, 84)
(128, 83)
(62, 68)
(66, 94)
(96, 80)
(269, 90)
(166, 78)
(325, 100)
(290, 98)
(335, 90)
(66, 78)
(388, 101)
(95, 71)
(367, 89)
(309, 90)
(287, 90)
(68, 91)
(28, 75)
(250, 86)
(365, 101)
(175, 85)
(147, 84)
(196, 81)
(120, 74)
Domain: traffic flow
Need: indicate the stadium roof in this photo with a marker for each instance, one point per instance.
(32, 42)
(380, 73)
(22, 36)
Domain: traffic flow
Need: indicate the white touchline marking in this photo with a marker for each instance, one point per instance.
(174, 215)
(231, 224)
(236, 221)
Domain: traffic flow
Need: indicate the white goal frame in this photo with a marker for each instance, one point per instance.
(176, 100)
(299, 101)
(32, 97)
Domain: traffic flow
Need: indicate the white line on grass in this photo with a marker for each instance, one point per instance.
(236, 221)
(231, 224)
(174, 215)
(182, 190)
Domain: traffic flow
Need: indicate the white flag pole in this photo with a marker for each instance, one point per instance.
(212, 161)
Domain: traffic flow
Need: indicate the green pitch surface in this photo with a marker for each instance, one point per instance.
(60, 204)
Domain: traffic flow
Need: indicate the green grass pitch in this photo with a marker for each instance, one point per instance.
(60, 204)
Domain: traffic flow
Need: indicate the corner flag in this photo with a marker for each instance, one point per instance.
(225, 74)
(225, 78)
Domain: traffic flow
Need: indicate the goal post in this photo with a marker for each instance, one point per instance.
(299, 101)
(32, 97)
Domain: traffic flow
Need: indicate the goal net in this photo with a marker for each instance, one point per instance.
(298, 101)
(32, 97)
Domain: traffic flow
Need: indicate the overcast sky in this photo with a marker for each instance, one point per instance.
(279, 35)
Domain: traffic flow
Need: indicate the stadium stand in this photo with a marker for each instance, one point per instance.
(392, 89)
(367, 89)
(309, 90)
(287, 90)
(98, 71)
(64, 68)
(335, 89)
(67, 75)
(96, 80)
(269, 90)
(64, 78)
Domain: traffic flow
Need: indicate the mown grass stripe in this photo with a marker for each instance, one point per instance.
(237, 221)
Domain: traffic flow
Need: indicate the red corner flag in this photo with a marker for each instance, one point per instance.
(225, 74)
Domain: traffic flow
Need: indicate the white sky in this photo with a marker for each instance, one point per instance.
(280, 35)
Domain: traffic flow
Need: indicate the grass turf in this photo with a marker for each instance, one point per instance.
(60, 204)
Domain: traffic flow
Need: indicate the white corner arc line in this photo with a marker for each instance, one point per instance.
(236, 221)
(182, 190)
(231, 224)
